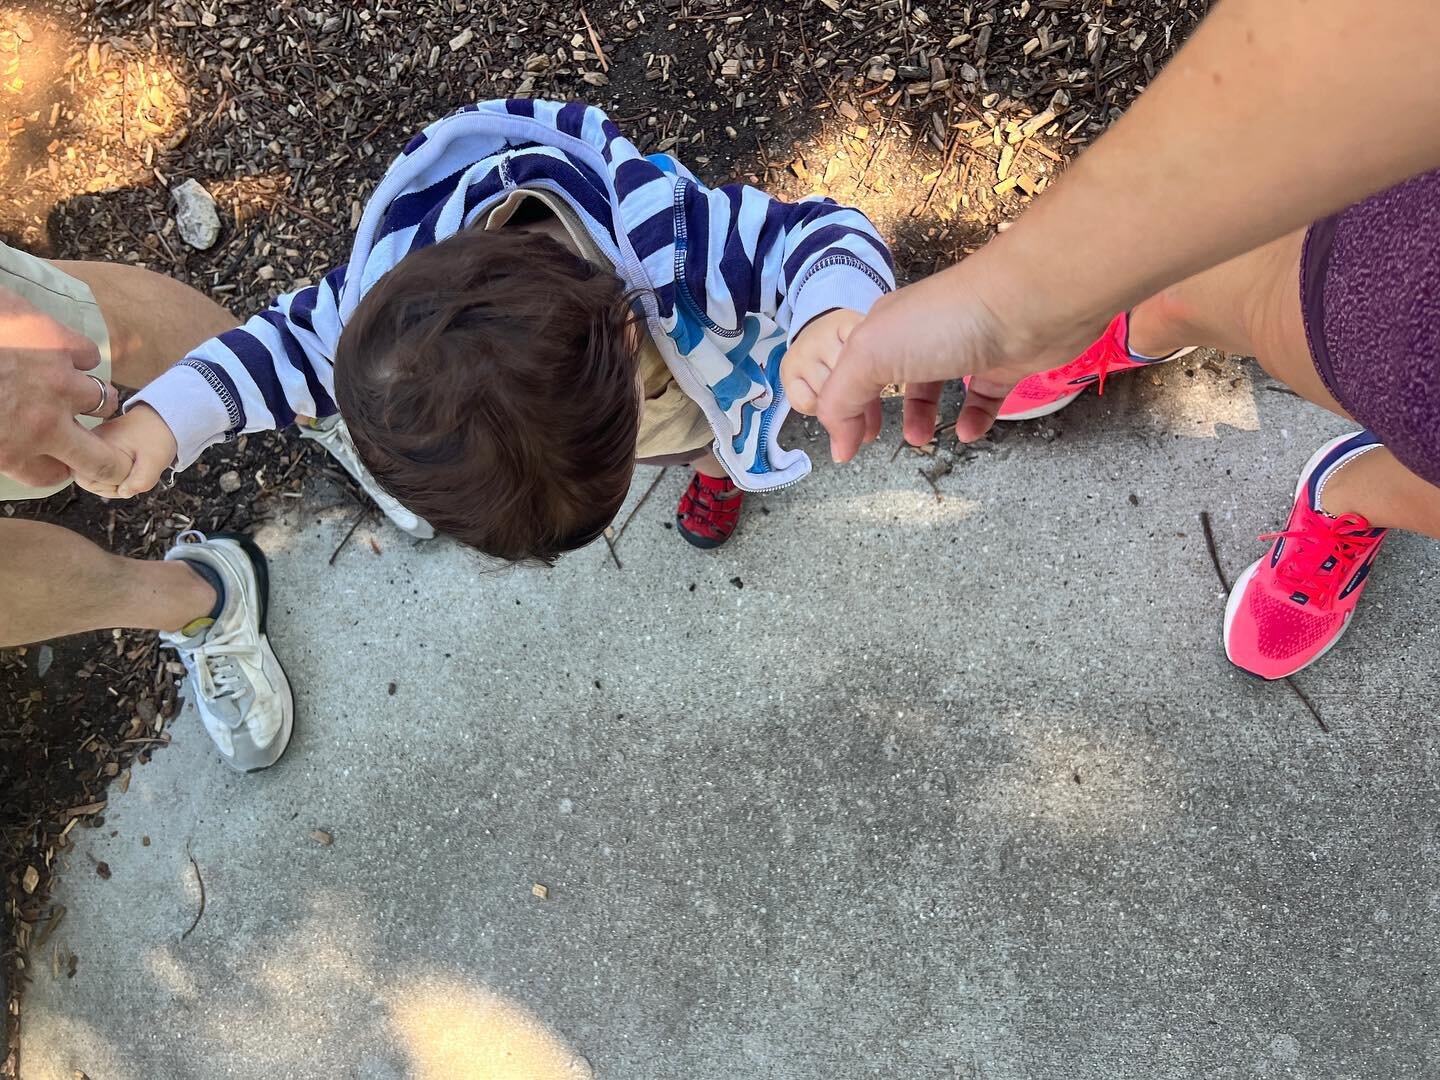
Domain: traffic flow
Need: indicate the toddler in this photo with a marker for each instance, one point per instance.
(531, 306)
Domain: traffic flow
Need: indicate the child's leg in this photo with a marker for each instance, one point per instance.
(709, 509)
(708, 465)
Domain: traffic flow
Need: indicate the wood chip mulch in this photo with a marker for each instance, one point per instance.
(941, 120)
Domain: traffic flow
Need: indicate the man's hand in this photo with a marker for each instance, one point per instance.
(42, 389)
(807, 364)
(144, 439)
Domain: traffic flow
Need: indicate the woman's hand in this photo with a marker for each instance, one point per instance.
(956, 323)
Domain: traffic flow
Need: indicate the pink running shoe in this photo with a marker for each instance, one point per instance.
(1291, 607)
(1050, 391)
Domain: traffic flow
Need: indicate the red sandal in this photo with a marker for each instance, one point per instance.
(708, 511)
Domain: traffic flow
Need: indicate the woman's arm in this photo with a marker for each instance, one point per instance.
(1275, 113)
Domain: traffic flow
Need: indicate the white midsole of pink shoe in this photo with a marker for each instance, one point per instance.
(1041, 410)
(1060, 403)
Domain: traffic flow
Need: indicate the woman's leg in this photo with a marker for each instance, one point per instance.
(1293, 604)
(1385, 493)
(1250, 306)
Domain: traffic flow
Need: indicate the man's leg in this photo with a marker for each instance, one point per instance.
(153, 320)
(54, 582)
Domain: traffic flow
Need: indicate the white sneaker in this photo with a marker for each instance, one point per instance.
(332, 434)
(236, 683)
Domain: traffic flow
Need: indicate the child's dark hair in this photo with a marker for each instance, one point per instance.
(488, 382)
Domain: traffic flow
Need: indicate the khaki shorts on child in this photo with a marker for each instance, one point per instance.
(68, 301)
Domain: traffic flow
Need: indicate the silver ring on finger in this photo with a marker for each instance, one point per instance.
(104, 395)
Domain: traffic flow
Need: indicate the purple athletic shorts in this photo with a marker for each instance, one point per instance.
(1370, 290)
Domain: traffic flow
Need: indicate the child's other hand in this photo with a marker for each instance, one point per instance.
(146, 439)
(812, 355)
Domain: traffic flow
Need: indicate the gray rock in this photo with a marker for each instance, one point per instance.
(230, 482)
(195, 215)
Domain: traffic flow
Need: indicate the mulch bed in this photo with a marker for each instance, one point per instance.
(940, 119)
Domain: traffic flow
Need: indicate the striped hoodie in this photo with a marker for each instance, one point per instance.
(725, 277)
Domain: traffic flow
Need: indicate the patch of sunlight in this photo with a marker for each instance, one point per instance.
(891, 507)
(80, 115)
(325, 955)
(174, 976)
(286, 531)
(62, 1046)
(902, 179)
(328, 949)
(127, 108)
(1073, 775)
(1221, 391)
(452, 1031)
(247, 197)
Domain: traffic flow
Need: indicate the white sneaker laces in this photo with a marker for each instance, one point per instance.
(217, 671)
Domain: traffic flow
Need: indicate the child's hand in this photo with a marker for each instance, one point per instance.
(811, 357)
(146, 439)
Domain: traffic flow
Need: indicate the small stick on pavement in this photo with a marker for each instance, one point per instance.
(1225, 584)
(610, 543)
(1214, 553)
(201, 882)
(933, 486)
(364, 513)
(648, 492)
(1290, 681)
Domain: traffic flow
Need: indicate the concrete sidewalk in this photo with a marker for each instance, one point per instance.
(887, 787)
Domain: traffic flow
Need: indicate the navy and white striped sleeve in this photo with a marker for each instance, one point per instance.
(256, 377)
(794, 261)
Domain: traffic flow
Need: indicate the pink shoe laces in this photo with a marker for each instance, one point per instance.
(1096, 359)
(1324, 555)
